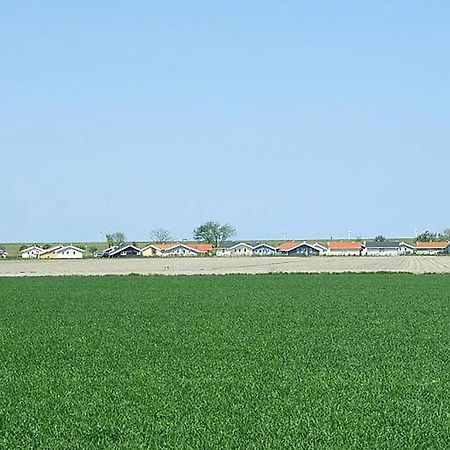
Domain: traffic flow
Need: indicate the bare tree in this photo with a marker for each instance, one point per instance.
(160, 235)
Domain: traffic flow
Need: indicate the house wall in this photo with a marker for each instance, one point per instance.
(264, 251)
(179, 251)
(32, 254)
(130, 253)
(151, 252)
(381, 251)
(343, 252)
(240, 250)
(68, 254)
(431, 251)
(302, 250)
(48, 256)
(406, 250)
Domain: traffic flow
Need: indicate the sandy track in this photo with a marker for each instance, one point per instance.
(191, 266)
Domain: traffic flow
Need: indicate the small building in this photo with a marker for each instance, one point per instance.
(32, 252)
(123, 251)
(235, 249)
(49, 253)
(176, 249)
(152, 250)
(432, 248)
(62, 252)
(295, 248)
(322, 249)
(344, 248)
(381, 248)
(264, 249)
(69, 252)
(182, 249)
(202, 249)
(407, 249)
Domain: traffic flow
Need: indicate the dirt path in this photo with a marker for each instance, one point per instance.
(190, 266)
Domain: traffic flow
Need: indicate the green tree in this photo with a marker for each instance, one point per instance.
(213, 233)
(115, 239)
(92, 249)
(380, 238)
(428, 236)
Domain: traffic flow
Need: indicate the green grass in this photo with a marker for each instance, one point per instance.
(245, 362)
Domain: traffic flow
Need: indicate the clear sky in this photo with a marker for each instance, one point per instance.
(307, 117)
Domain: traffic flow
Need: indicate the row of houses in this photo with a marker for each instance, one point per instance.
(334, 248)
(56, 252)
(232, 249)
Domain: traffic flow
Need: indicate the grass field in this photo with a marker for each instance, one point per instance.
(350, 361)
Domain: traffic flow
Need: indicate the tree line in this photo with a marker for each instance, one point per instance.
(210, 232)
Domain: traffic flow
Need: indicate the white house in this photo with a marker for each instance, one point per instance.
(406, 249)
(344, 248)
(322, 248)
(32, 252)
(432, 248)
(69, 252)
(235, 249)
(181, 249)
(381, 248)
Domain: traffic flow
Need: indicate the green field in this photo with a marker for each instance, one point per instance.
(345, 361)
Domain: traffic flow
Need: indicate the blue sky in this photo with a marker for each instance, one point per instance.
(306, 117)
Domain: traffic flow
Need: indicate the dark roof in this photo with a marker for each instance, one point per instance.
(391, 244)
(263, 244)
(120, 249)
(229, 244)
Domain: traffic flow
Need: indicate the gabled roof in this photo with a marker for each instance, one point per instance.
(432, 245)
(230, 245)
(344, 245)
(386, 244)
(51, 249)
(202, 248)
(263, 244)
(168, 248)
(288, 246)
(197, 248)
(227, 244)
(122, 248)
(154, 246)
(319, 246)
(165, 245)
(71, 247)
(33, 247)
(405, 244)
